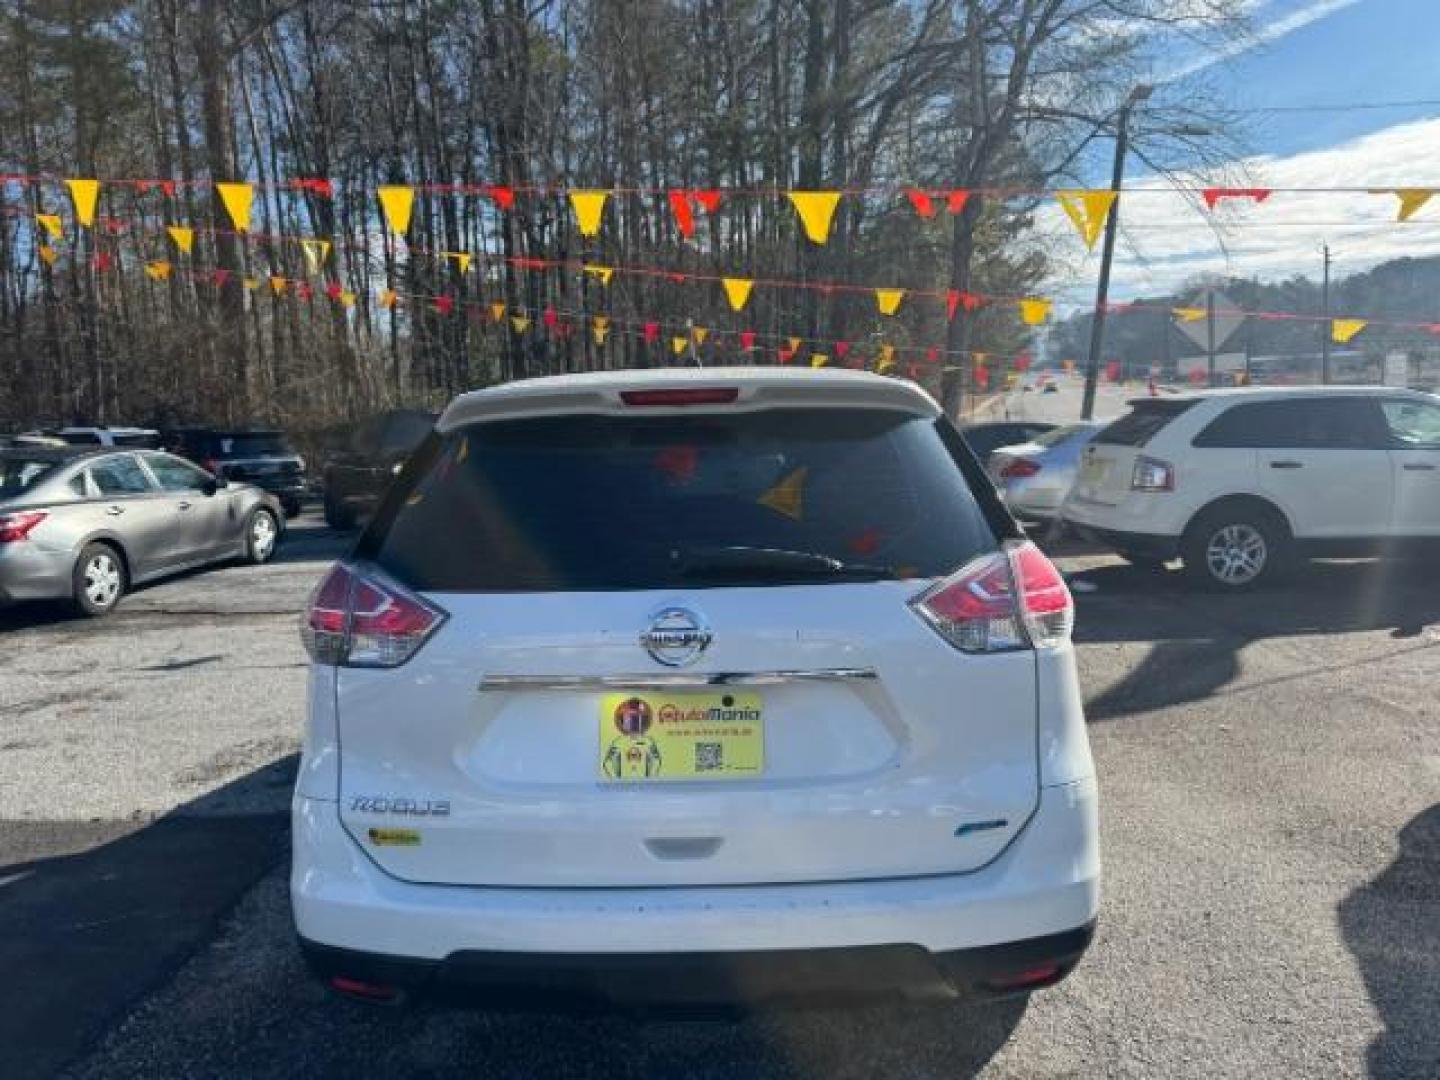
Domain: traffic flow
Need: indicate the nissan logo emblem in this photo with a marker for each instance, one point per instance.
(675, 637)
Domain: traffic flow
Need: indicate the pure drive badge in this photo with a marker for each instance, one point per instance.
(384, 804)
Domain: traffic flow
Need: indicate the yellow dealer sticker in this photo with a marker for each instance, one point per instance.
(665, 736)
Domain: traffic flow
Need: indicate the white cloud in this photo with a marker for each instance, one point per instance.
(1264, 34)
(1164, 239)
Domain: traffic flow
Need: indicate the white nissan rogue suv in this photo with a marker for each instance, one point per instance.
(672, 688)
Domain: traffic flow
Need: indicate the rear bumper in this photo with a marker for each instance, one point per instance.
(30, 572)
(1043, 887)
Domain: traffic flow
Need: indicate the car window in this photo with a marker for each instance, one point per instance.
(404, 432)
(145, 439)
(120, 475)
(80, 438)
(18, 474)
(1143, 422)
(255, 444)
(1413, 423)
(616, 503)
(172, 474)
(1296, 423)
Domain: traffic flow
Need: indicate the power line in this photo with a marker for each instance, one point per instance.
(1354, 106)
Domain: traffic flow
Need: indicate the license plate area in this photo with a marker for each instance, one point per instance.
(657, 736)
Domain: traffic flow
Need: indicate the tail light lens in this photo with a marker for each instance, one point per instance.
(211, 466)
(1011, 599)
(1150, 474)
(1019, 469)
(17, 526)
(360, 618)
(680, 396)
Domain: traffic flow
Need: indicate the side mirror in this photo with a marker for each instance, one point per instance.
(214, 484)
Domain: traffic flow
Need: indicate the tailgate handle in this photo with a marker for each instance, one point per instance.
(688, 847)
(1286, 465)
(1413, 467)
(698, 680)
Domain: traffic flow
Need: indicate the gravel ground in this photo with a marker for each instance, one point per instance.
(1270, 774)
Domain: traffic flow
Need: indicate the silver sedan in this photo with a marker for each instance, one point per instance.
(86, 524)
(1034, 477)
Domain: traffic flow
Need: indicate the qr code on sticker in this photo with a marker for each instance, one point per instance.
(709, 756)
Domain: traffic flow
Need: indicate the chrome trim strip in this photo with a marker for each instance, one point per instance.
(698, 680)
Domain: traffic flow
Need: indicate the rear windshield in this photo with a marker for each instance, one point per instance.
(147, 439)
(621, 503)
(1058, 435)
(251, 444)
(19, 474)
(1142, 423)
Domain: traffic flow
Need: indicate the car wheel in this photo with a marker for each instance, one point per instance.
(337, 515)
(262, 534)
(98, 580)
(1233, 550)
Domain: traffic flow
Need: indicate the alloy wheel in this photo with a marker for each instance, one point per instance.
(1236, 554)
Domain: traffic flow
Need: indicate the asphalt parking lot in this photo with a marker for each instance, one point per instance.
(1270, 773)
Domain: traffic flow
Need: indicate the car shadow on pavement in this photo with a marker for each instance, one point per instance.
(96, 914)
(1199, 636)
(1392, 926)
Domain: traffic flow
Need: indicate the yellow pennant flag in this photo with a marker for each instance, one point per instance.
(388, 298)
(51, 224)
(679, 344)
(737, 291)
(604, 273)
(887, 358)
(795, 344)
(158, 270)
(84, 194)
(316, 252)
(497, 311)
(979, 358)
(184, 237)
(461, 259)
(1068, 365)
(347, 298)
(602, 322)
(788, 496)
(277, 284)
(237, 199)
(396, 202)
(48, 254)
(818, 359)
(1342, 330)
(888, 300)
(1188, 314)
(1411, 200)
(817, 211)
(252, 283)
(1034, 311)
(520, 323)
(701, 333)
(589, 205)
(600, 333)
(1087, 210)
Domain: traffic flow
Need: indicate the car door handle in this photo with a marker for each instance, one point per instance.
(184, 505)
(1415, 467)
(1286, 465)
(114, 511)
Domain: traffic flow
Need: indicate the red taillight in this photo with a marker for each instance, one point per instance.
(366, 991)
(211, 466)
(17, 526)
(698, 395)
(1019, 469)
(358, 618)
(1005, 600)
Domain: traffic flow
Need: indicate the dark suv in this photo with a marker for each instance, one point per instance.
(370, 453)
(260, 457)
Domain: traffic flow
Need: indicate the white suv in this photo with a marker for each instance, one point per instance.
(676, 687)
(1238, 483)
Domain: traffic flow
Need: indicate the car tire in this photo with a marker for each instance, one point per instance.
(98, 580)
(1236, 548)
(262, 536)
(337, 515)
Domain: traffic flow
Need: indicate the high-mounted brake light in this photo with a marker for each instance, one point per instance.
(697, 395)
(358, 618)
(1019, 469)
(17, 526)
(1006, 600)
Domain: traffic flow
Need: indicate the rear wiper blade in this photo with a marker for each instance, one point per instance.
(742, 561)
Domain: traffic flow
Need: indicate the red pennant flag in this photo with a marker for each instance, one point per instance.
(652, 333)
(785, 354)
(103, 261)
(333, 290)
(1433, 328)
(932, 354)
(842, 350)
(747, 339)
(550, 318)
(924, 205)
(1112, 371)
(1197, 376)
(982, 377)
(504, 196)
(1213, 195)
(220, 277)
(956, 200)
(952, 301)
(684, 216)
(1022, 362)
(444, 305)
(678, 279)
(912, 372)
(865, 542)
(710, 200)
(304, 291)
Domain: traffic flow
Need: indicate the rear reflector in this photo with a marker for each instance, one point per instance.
(1019, 469)
(1006, 600)
(699, 395)
(360, 618)
(1036, 976)
(364, 990)
(17, 526)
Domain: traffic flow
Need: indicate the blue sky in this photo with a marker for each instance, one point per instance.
(1306, 53)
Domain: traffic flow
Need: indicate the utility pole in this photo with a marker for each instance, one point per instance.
(1325, 325)
(1210, 333)
(1107, 253)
